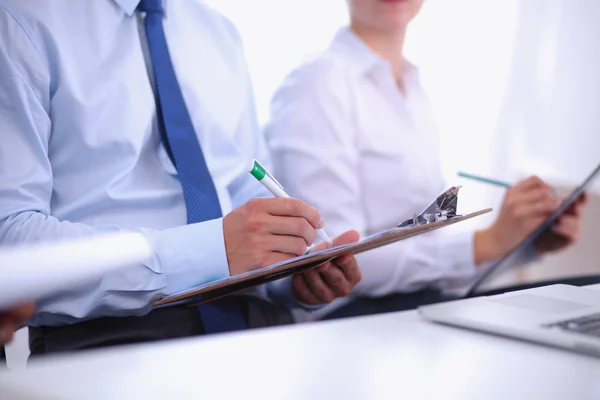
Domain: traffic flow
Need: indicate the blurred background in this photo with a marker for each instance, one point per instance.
(514, 86)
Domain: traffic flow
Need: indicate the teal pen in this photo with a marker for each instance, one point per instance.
(490, 181)
(484, 180)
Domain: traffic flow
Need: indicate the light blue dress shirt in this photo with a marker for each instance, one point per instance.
(80, 148)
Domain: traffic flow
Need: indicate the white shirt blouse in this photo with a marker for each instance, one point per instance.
(346, 140)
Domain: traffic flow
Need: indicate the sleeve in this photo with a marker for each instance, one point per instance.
(313, 138)
(26, 186)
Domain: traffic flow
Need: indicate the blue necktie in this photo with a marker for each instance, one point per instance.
(201, 200)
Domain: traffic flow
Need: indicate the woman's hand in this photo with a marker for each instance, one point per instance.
(525, 207)
(566, 232)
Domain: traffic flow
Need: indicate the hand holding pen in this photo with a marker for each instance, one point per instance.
(266, 231)
(269, 182)
(526, 205)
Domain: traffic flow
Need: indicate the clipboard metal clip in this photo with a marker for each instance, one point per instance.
(443, 208)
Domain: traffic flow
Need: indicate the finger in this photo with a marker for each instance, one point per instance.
(324, 267)
(347, 237)
(335, 263)
(578, 210)
(577, 207)
(22, 312)
(294, 208)
(534, 210)
(533, 223)
(271, 258)
(287, 244)
(532, 195)
(291, 226)
(318, 287)
(15, 317)
(321, 246)
(7, 328)
(337, 282)
(302, 291)
(573, 210)
(568, 227)
(531, 182)
(348, 265)
(6, 334)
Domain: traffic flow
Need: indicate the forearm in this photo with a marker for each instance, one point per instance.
(182, 257)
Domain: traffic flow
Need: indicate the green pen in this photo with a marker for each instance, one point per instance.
(484, 180)
(268, 181)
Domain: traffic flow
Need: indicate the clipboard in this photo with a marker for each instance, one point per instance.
(236, 283)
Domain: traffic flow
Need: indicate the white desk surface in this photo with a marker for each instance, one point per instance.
(391, 356)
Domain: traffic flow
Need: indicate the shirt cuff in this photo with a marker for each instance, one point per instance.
(281, 292)
(190, 255)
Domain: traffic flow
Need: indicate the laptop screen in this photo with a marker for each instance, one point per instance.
(512, 258)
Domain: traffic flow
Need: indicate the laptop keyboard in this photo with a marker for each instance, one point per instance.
(587, 325)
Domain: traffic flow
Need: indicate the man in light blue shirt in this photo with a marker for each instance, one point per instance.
(82, 152)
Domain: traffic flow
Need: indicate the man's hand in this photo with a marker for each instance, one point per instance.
(524, 208)
(266, 231)
(12, 319)
(566, 231)
(331, 280)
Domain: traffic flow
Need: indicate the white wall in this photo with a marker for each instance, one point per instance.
(550, 113)
(279, 34)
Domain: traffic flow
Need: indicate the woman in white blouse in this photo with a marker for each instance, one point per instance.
(353, 123)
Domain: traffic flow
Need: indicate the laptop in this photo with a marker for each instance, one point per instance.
(558, 315)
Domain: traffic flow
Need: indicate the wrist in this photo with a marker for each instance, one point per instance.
(486, 246)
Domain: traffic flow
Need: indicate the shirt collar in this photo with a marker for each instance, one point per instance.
(348, 44)
(128, 6)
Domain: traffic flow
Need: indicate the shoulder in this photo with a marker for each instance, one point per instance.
(221, 28)
(216, 34)
(28, 15)
(324, 76)
(15, 23)
(10, 12)
(322, 69)
(312, 103)
(21, 46)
